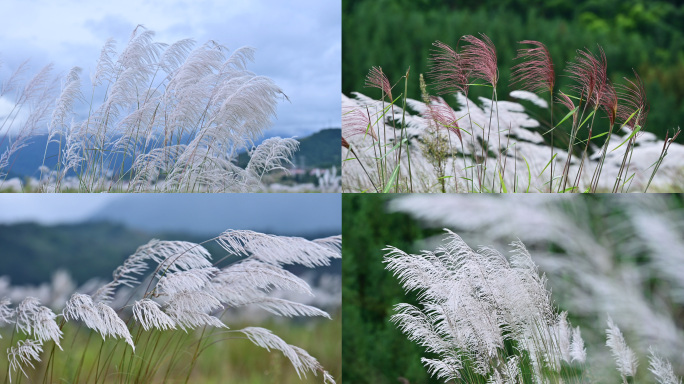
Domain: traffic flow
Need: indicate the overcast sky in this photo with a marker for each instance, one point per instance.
(280, 213)
(298, 42)
(47, 208)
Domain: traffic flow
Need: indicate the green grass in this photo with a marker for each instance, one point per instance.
(168, 356)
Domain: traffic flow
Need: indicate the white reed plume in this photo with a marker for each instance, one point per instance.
(287, 308)
(254, 275)
(44, 326)
(149, 314)
(189, 290)
(577, 351)
(23, 354)
(112, 325)
(81, 307)
(25, 312)
(301, 360)
(662, 369)
(175, 256)
(189, 309)
(71, 92)
(471, 303)
(250, 281)
(625, 359)
(100, 317)
(278, 250)
(6, 313)
(591, 267)
(273, 153)
(173, 118)
(191, 280)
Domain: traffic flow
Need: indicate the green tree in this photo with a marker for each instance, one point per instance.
(373, 349)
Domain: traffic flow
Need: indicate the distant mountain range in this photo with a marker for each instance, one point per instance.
(318, 150)
(210, 214)
(31, 253)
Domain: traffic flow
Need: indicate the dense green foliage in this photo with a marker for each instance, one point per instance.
(373, 349)
(639, 34)
(32, 252)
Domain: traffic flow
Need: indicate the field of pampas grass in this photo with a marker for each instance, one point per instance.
(169, 327)
(153, 117)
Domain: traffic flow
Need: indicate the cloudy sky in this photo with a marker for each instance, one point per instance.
(298, 42)
(201, 213)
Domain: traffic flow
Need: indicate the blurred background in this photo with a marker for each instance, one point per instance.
(621, 256)
(53, 246)
(639, 34)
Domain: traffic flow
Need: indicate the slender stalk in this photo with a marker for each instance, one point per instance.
(586, 147)
(472, 143)
(195, 355)
(622, 165)
(403, 131)
(364, 169)
(485, 145)
(599, 166)
(552, 132)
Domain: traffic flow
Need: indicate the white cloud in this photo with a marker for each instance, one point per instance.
(297, 42)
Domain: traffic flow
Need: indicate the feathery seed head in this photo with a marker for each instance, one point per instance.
(633, 103)
(6, 313)
(535, 73)
(590, 74)
(662, 369)
(625, 359)
(81, 307)
(23, 354)
(609, 102)
(356, 122)
(449, 71)
(443, 115)
(577, 351)
(112, 325)
(175, 256)
(568, 103)
(26, 311)
(44, 326)
(377, 79)
(185, 281)
(190, 309)
(277, 250)
(479, 56)
(149, 315)
(299, 358)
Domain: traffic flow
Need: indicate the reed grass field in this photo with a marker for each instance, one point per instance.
(223, 356)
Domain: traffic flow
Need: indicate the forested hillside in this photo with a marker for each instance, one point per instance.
(636, 34)
(32, 252)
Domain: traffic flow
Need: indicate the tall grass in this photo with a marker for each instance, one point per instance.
(486, 318)
(603, 255)
(171, 317)
(487, 152)
(155, 117)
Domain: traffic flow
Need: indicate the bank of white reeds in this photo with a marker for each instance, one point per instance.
(177, 288)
